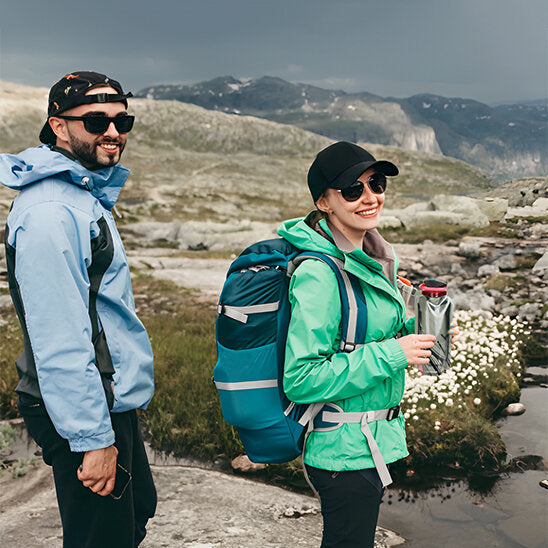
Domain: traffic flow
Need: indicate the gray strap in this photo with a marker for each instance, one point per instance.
(364, 418)
(352, 306)
(246, 385)
(359, 416)
(310, 414)
(382, 469)
(294, 263)
(289, 408)
(240, 313)
(350, 343)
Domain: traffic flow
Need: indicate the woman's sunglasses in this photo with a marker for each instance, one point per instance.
(99, 124)
(376, 183)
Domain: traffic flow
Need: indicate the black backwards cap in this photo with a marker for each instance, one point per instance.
(70, 92)
(339, 166)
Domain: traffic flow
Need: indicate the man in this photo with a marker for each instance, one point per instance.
(87, 362)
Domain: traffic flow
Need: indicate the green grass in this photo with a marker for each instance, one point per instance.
(184, 417)
(500, 282)
(11, 345)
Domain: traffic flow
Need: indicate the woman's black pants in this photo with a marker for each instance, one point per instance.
(350, 506)
(90, 520)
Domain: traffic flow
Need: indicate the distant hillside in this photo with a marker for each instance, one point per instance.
(190, 163)
(506, 140)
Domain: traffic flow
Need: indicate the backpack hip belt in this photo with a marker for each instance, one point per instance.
(338, 417)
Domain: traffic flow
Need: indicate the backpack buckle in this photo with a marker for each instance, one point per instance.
(393, 413)
(348, 346)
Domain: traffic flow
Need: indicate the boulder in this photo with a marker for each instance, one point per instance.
(470, 250)
(461, 205)
(539, 208)
(541, 266)
(511, 310)
(195, 235)
(442, 209)
(435, 218)
(457, 270)
(506, 261)
(513, 409)
(526, 196)
(474, 299)
(488, 270)
(539, 230)
(389, 221)
(242, 463)
(529, 311)
(494, 208)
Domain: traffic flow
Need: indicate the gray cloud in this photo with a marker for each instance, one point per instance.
(490, 50)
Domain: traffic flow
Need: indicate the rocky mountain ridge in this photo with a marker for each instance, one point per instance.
(504, 141)
(191, 164)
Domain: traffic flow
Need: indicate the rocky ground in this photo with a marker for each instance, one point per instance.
(197, 508)
(506, 272)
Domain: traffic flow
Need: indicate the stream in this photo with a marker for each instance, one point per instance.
(509, 512)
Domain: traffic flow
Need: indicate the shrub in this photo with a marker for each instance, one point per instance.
(449, 416)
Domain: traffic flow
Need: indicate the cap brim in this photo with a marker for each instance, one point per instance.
(46, 135)
(349, 177)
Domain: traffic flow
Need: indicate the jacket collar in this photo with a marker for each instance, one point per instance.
(367, 263)
(43, 162)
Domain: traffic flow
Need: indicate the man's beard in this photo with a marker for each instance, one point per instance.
(86, 152)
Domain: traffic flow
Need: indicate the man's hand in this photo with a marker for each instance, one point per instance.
(98, 470)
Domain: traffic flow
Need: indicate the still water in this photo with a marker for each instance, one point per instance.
(512, 513)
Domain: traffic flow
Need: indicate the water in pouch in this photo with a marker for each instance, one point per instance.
(433, 314)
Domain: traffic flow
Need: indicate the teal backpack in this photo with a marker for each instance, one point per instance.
(251, 330)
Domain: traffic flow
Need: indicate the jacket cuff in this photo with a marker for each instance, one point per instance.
(90, 443)
(392, 348)
(409, 327)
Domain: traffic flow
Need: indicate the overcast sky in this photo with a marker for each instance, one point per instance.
(490, 50)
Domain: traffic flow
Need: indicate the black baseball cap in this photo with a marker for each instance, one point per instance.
(70, 91)
(340, 164)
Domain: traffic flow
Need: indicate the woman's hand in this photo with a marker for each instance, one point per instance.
(417, 348)
(454, 332)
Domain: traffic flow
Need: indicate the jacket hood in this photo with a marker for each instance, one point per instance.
(302, 235)
(38, 163)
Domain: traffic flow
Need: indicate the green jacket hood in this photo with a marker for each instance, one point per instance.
(302, 235)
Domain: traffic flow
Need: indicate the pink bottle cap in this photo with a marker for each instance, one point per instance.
(433, 288)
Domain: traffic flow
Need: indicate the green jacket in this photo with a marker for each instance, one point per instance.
(369, 378)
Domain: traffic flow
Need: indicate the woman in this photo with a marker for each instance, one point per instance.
(348, 185)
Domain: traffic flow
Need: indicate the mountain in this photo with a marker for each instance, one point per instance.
(504, 141)
(192, 164)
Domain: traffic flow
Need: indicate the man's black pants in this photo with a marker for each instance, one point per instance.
(350, 506)
(89, 520)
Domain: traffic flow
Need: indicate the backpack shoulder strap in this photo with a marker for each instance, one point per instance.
(353, 304)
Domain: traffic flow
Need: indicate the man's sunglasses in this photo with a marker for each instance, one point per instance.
(99, 124)
(376, 183)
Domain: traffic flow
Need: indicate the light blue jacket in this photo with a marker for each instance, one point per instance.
(67, 266)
